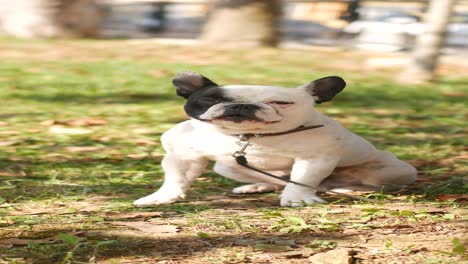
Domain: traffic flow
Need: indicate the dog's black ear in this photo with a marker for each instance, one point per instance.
(324, 89)
(187, 83)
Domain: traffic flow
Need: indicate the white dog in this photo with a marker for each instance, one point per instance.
(287, 142)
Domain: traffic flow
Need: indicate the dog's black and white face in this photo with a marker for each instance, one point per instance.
(238, 109)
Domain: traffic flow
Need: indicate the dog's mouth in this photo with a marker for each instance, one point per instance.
(238, 118)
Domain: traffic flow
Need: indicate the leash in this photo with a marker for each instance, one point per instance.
(244, 143)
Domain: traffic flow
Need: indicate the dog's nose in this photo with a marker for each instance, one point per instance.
(243, 107)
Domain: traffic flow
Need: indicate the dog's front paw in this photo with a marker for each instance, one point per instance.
(295, 196)
(159, 197)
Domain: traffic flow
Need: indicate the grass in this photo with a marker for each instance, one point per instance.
(79, 141)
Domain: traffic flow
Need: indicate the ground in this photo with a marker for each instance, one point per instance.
(79, 141)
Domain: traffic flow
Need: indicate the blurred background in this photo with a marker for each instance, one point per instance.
(384, 26)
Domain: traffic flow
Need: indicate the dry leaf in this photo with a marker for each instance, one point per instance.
(451, 160)
(7, 221)
(454, 94)
(143, 142)
(81, 149)
(271, 248)
(70, 131)
(160, 73)
(12, 174)
(14, 242)
(453, 197)
(217, 198)
(154, 157)
(9, 132)
(24, 242)
(59, 209)
(55, 156)
(103, 139)
(134, 215)
(76, 122)
(90, 208)
(7, 143)
(419, 163)
(86, 122)
(47, 122)
(294, 254)
(149, 227)
(33, 211)
(335, 256)
(137, 156)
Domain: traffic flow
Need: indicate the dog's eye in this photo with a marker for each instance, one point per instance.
(280, 102)
(209, 100)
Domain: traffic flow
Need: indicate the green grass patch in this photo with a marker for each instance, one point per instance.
(86, 172)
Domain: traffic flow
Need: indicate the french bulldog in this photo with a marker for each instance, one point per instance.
(327, 157)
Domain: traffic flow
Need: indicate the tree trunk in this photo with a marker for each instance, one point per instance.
(50, 18)
(422, 67)
(243, 23)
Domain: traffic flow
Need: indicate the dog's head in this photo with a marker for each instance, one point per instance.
(238, 109)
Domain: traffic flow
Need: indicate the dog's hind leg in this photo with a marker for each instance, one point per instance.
(385, 170)
(257, 185)
(260, 187)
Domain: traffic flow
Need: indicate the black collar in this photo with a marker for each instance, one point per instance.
(297, 129)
